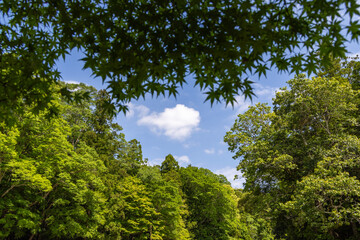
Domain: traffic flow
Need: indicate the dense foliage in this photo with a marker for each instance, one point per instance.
(141, 47)
(301, 160)
(75, 176)
(67, 171)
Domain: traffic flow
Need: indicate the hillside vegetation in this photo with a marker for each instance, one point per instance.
(75, 176)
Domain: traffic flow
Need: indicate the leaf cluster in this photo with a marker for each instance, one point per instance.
(302, 157)
(150, 47)
(75, 176)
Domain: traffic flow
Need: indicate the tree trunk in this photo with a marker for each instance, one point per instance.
(150, 231)
(355, 230)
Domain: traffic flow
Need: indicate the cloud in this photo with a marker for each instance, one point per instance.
(229, 173)
(139, 110)
(183, 160)
(186, 145)
(154, 162)
(177, 123)
(242, 105)
(209, 151)
(265, 91)
(263, 94)
(72, 82)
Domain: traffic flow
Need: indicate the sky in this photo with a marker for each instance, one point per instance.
(186, 127)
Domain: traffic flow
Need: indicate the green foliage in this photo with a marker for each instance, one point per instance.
(150, 47)
(301, 160)
(328, 198)
(169, 164)
(167, 200)
(74, 176)
(140, 217)
(212, 205)
(49, 185)
(254, 215)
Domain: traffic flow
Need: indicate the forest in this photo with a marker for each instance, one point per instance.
(67, 170)
(75, 176)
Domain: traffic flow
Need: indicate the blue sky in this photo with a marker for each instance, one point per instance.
(187, 127)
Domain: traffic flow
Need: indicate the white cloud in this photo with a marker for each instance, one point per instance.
(131, 112)
(221, 141)
(154, 162)
(263, 94)
(209, 151)
(183, 160)
(186, 145)
(72, 82)
(242, 106)
(176, 123)
(264, 91)
(139, 110)
(229, 173)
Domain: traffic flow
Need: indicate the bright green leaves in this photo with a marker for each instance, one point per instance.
(167, 200)
(212, 205)
(317, 104)
(303, 157)
(47, 184)
(326, 203)
(139, 214)
(75, 176)
(247, 129)
(24, 173)
(17, 175)
(8, 140)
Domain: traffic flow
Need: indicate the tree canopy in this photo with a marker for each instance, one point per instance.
(139, 47)
(301, 160)
(74, 176)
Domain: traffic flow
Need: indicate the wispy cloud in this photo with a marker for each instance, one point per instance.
(183, 160)
(263, 94)
(242, 105)
(139, 110)
(209, 151)
(72, 82)
(154, 162)
(177, 123)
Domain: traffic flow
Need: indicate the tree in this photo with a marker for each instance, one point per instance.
(212, 205)
(48, 188)
(302, 158)
(167, 200)
(140, 219)
(169, 164)
(149, 47)
(253, 220)
(79, 114)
